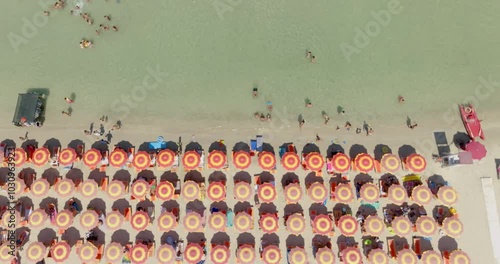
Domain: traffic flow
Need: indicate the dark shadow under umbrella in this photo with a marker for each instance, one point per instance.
(460, 139)
(310, 148)
(295, 241)
(241, 207)
(149, 175)
(217, 176)
(169, 176)
(75, 175)
(312, 178)
(355, 150)
(266, 177)
(241, 146)
(29, 142)
(4, 201)
(342, 239)
(170, 205)
(172, 146)
(145, 205)
(121, 236)
(342, 207)
(8, 143)
(71, 235)
(367, 209)
(145, 235)
(220, 238)
(170, 235)
(193, 146)
(318, 208)
(195, 176)
(196, 237)
(125, 145)
(50, 175)
(268, 208)
(363, 178)
(46, 236)
(334, 149)
(75, 143)
(67, 205)
(122, 175)
(288, 178)
(217, 145)
(222, 206)
(4, 172)
(243, 176)
(405, 151)
(196, 206)
(120, 205)
(52, 143)
(101, 237)
(245, 239)
(48, 200)
(101, 145)
(268, 148)
(447, 243)
(286, 147)
(97, 176)
(380, 150)
(293, 209)
(26, 202)
(98, 204)
(437, 179)
(270, 239)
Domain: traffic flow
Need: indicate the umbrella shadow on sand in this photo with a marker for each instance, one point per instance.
(217, 145)
(291, 209)
(344, 208)
(245, 239)
(268, 148)
(9, 143)
(170, 205)
(52, 144)
(399, 242)
(172, 146)
(101, 237)
(266, 177)
(170, 176)
(243, 176)
(334, 149)
(4, 172)
(195, 176)
(46, 236)
(120, 205)
(174, 235)
(350, 241)
(220, 238)
(75, 175)
(317, 208)
(71, 235)
(75, 144)
(100, 145)
(125, 145)
(97, 176)
(447, 243)
(217, 176)
(268, 208)
(312, 178)
(380, 150)
(51, 175)
(97, 204)
(355, 150)
(310, 148)
(460, 139)
(4, 201)
(241, 146)
(121, 236)
(48, 200)
(145, 235)
(366, 210)
(405, 151)
(193, 146)
(222, 206)
(295, 241)
(196, 206)
(78, 202)
(363, 178)
(29, 142)
(123, 176)
(196, 237)
(147, 174)
(22, 231)
(241, 207)
(25, 201)
(288, 178)
(270, 239)
(144, 147)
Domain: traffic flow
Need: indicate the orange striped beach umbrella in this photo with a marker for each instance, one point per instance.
(140, 189)
(432, 257)
(325, 255)
(165, 158)
(167, 221)
(192, 222)
(290, 161)
(190, 191)
(220, 254)
(60, 251)
(36, 251)
(390, 163)
(141, 161)
(118, 158)
(64, 219)
(37, 218)
(453, 227)
(40, 187)
(88, 252)
(318, 192)
(139, 253)
(378, 256)
(374, 225)
(269, 223)
(416, 163)
(20, 157)
(116, 189)
(11, 222)
(165, 190)
(401, 225)
(348, 225)
(243, 222)
(92, 158)
(296, 224)
(114, 220)
(447, 195)
(352, 255)
(407, 256)
(67, 156)
(217, 221)
(246, 254)
(193, 253)
(191, 160)
(421, 195)
(40, 157)
(344, 193)
(5, 256)
(242, 160)
(64, 187)
(293, 193)
(216, 159)
(364, 162)
(267, 160)
(426, 226)
(267, 193)
(459, 257)
(165, 254)
(322, 224)
(397, 194)
(89, 188)
(242, 191)
(369, 193)
(341, 163)
(89, 219)
(20, 187)
(216, 191)
(113, 252)
(297, 255)
(271, 255)
(315, 161)
(140, 220)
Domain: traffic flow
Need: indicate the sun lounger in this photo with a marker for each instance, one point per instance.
(391, 246)
(104, 183)
(100, 252)
(151, 249)
(417, 247)
(79, 244)
(128, 213)
(446, 256)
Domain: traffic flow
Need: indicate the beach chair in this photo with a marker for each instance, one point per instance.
(175, 211)
(128, 213)
(378, 167)
(446, 256)
(381, 187)
(417, 247)
(333, 185)
(337, 214)
(104, 183)
(391, 247)
(151, 213)
(151, 249)
(353, 166)
(127, 186)
(313, 214)
(100, 252)
(78, 245)
(342, 246)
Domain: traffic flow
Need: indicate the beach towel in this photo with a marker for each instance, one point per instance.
(230, 218)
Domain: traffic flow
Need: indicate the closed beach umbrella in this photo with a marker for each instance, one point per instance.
(447, 195)
(293, 193)
(364, 162)
(140, 189)
(315, 161)
(397, 194)
(453, 227)
(89, 219)
(140, 220)
(89, 188)
(243, 222)
(390, 163)
(141, 161)
(67, 156)
(165, 190)
(193, 253)
(167, 221)
(269, 223)
(36, 251)
(459, 257)
(165, 254)
(40, 187)
(114, 220)
(322, 224)
(267, 160)
(217, 221)
(318, 192)
(242, 160)
(10, 221)
(271, 255)
(64, 219)
(192, 222)
(242, 191)
(267, 193)
(191, 160)
(116, 189)
(5, 255)
(352, 255)
(88, 252)
(139, 253)
(407, 256)
(37, 218)
(20, 187)
(219, 254)
(369, 193)
(216, 159)
(190, 191)
(374, 225)
(64, 187)
(431, 257)
(325, 255)
(297, 255)
(378, 256)
(290, 161)
(477, 150)
(246, 254)
(341, 163)
(426, 226)
(296, 224)
(60, 251)
(118, 158)
(416, 163)
(113, 252)
(19, 157)
(165, 158)
(401, 225)
(421, 195)
(40, 156)
(348, 225)
(216, 191)
(92, 158)
(344, 193)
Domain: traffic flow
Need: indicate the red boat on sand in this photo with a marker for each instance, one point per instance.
(471, 121)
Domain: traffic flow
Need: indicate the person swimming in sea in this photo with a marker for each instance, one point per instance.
(269, 106)
(255, 92)
(401, 99)
(326, 117)
(308, 55)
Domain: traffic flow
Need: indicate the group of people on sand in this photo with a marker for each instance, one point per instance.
(261, 116)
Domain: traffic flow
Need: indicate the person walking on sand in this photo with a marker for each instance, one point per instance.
(301, 123)
(401, 99)
(255, 92)
(317, 138)
(68, 100)
(326, 117)
(308, 103)
(308, 55)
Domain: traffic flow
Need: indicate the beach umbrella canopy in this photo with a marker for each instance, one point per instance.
(5, 256)
(297, 255)
(364, 162)
(40, 187)
(322, 224)
(193, 253)
(36, 251)
(216, 159)
(141, 160)
(113, 252)
(401, 225)
(20, 157)
(447, 195)
(378, 256)
(416, 163)
(421, 195)
(315, 161)
(220, 254)
(92, 158)
(369, 193)
(477, 150)
(190, 191)
(296, 224)
(10, 221)
(191, 160)
(165, 254)
(140, 220)
(114, 220)
(242, 191)
(325, 255)
(269, 223)
(432, 257)
(267, 193)
(139, 189)
(89, 188)
(217, 221)
(37, 218)
(426, 226)
(318, 192)
(139, 253)
(60, 251)
(348, 225)
(118, 158)
(374, 225)
(352, 255)
(116, 189)
(341, 163)
(20, 187)
(165, 190)
(167, 222)
(89, 219)
(453, 227)
(271, 255)
(64, 219)
(246, 254)
(165, 158)
(64, 187)
(290, 161)
(293, 193)
(459, 257)
(267, 160)
(242, 160)
(88, 252)
(407, 256)
(243, 222)
(397, 194)
(216, 191)
(40, 157)
(344, 193)
(390, 163)
(67, 156)
(192, 222)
